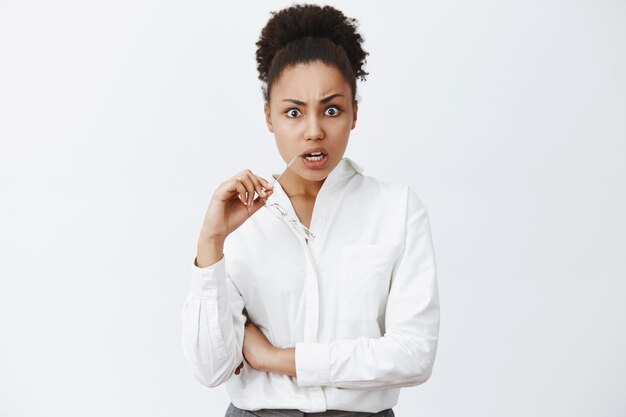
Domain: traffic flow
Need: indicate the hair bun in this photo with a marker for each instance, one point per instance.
(304, 20)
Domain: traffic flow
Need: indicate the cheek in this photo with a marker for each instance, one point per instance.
(285, 132)
(285, 127)
(339, 128)
(285, 143)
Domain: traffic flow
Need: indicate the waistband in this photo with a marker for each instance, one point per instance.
(233, 411)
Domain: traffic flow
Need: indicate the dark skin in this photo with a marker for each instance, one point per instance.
(303, 205)
(310, 106)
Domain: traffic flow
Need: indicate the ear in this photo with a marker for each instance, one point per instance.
(268, 118)
(355, 110)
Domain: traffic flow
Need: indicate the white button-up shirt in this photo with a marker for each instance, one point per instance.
(359, 303)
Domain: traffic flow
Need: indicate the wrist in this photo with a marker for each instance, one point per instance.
(210, 251)
(207, 238)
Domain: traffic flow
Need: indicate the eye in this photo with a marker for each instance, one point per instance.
(291, 113)
(332, 111)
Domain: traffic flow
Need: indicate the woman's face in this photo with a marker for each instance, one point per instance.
(311, 111)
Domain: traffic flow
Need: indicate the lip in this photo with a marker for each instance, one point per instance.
(314, 150)
(315, 165)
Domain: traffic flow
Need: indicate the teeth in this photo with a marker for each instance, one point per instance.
(312, 158)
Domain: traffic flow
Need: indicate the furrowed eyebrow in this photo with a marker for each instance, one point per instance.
(322, 101)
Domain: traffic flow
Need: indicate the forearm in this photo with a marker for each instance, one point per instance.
(210, 251)
(390, 361)
(282, 361)
(212, 322)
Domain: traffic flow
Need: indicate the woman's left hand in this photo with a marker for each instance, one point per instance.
(257, 350)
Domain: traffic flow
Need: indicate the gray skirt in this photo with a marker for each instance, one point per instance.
(233, 411)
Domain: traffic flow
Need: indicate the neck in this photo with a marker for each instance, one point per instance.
(294, 185)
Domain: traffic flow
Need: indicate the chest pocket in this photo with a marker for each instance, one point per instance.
(365, 277)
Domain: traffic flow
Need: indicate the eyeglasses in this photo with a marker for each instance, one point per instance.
(283, 214)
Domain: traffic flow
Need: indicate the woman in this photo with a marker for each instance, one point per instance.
(335, 323)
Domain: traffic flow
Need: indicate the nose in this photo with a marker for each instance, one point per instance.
(314, 129)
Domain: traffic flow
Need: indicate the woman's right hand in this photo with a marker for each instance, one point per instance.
(231, 205)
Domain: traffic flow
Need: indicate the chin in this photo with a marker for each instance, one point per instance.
(313, 176)
(316, 175)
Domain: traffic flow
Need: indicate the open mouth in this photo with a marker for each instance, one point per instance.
(315, 156)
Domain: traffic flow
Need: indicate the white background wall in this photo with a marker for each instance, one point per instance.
(119, 118)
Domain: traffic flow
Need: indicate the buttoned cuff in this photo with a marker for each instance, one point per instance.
(209, 281)
(312, 364)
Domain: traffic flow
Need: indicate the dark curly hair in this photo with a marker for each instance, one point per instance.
(305, 32)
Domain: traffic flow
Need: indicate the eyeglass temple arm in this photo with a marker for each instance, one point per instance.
(288, 165)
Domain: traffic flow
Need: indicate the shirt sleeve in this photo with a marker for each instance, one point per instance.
(213, 323)
(405, 354)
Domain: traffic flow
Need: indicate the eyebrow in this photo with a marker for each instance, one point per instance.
(322, 101)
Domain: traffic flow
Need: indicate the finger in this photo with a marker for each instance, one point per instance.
(265, 183)
(248, 186)
(238, 370)
(242, 192)
(261, 185)
(232, 188)
(247, 182)
(258, 186)
(259, 202)
(268, 193)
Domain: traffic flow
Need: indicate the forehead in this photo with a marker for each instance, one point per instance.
(310, 81)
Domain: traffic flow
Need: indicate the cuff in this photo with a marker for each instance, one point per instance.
(206, 282)
(312, 364)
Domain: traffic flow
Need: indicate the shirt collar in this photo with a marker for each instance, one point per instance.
(346, 168)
